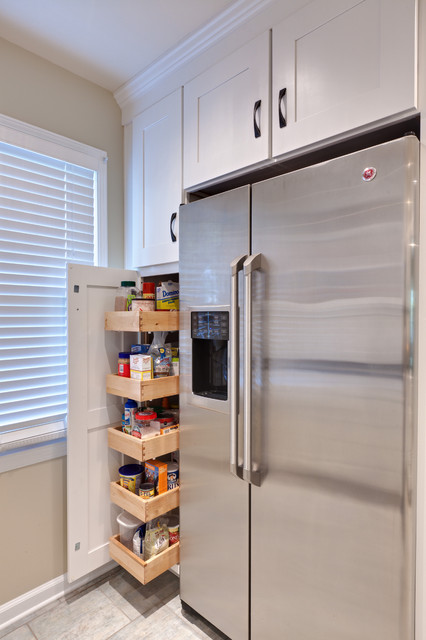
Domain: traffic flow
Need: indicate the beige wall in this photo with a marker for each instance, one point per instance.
(33, 499)
(33, 531)
(40, 93)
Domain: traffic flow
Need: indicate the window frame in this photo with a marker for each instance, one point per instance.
(39, 446)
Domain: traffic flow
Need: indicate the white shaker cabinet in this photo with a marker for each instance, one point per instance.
(156, 183)
(338, 65)
(226, 114)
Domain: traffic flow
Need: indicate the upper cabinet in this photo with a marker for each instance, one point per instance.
(321, 73)
(338, 65)
(226, 114)
(156, 183)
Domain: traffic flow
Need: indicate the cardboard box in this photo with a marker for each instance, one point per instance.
(140, 362)
(141, 375)
(139, 348)
(167, 295)
(156, 472)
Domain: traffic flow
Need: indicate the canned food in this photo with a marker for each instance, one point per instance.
(173, 534)
(131, 476)
(146, 490)
(172, 475)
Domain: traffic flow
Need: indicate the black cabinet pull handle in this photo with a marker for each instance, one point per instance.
(281, 96)
(256, 125)
(172, 219)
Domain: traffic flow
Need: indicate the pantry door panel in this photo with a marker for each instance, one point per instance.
(91, 466)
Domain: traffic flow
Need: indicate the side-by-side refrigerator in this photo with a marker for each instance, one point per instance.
(298, 383)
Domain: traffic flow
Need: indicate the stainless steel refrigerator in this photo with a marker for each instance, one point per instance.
(298, 380)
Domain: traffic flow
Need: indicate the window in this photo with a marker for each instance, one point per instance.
(51, 193)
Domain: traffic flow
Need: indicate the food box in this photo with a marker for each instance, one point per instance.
(156, 472)
(168, 296)
(140, 362)
(141, 375)
(139, 348)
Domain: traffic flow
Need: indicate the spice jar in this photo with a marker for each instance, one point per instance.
(148, 290)
(124, 364)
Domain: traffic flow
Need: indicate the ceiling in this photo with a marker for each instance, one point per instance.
(105, 41)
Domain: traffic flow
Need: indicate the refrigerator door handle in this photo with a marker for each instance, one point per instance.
(236, 267)
(253, 263)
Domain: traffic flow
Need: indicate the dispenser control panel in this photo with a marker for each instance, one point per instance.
(210, 325)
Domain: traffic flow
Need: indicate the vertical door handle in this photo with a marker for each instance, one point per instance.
(172, 220)
(236, 267)
(281, 117)
(253, 263)
(256, 118)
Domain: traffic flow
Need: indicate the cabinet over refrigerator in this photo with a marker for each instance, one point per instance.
(298, 376)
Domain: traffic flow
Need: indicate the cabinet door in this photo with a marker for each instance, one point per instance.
(91, 465)
(156, 186)
(226, 114)
(342, 64)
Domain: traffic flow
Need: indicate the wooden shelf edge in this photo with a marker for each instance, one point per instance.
(144, 449)
(141, 570)
(142, 390)
(145, 510)
(141, 320)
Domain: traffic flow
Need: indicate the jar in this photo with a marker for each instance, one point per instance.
(148, 290)
(124, 364)
(125, 294)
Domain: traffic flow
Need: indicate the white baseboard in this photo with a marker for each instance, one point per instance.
(12, 611)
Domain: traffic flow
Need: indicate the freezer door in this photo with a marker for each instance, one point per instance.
(333, 520)
(214, 503)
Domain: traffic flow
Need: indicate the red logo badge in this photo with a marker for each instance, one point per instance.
(369, 174)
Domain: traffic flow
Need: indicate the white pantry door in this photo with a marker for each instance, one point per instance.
(91, 466)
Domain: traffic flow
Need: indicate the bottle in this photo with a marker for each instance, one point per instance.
(148, 290)
(129, 413)
(125, 294)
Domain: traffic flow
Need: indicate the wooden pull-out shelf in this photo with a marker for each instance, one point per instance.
(141, 570)
(142, 509)
(141, 320)
(142, 390)
(143, 449)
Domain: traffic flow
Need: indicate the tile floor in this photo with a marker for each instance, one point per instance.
(116, 607)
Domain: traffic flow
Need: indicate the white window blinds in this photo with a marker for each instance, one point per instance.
(47, 219)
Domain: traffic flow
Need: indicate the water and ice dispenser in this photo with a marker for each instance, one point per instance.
(210, 335)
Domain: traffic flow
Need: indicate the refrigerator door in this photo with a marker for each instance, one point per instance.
(214, 503)
(332, 553)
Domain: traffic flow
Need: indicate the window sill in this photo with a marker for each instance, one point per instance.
(29, 455)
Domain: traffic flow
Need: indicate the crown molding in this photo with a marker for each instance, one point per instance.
(219, 27)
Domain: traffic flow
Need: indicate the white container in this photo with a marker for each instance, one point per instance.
(127, 526)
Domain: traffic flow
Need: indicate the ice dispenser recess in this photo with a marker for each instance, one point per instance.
(210, 335)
